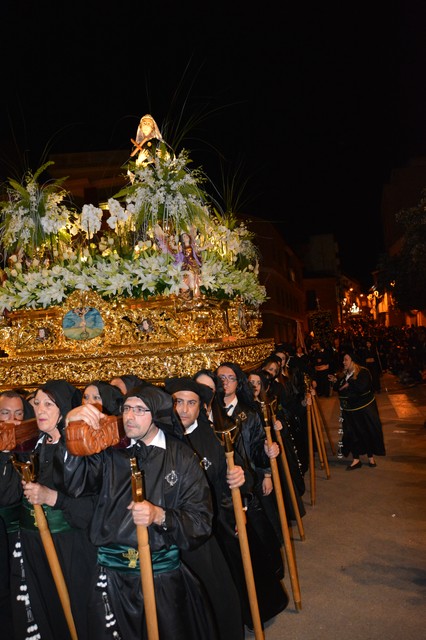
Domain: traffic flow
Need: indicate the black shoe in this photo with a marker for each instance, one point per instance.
(358, 465)
(372, 464)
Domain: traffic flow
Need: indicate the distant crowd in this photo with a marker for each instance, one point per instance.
(397, 350)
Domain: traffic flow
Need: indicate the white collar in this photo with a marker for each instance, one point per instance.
(159, 440)
(231, 407)
(191, 428)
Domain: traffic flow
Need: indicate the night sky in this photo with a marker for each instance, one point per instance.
(305, 110)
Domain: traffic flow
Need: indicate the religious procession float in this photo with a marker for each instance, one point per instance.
(156, 282)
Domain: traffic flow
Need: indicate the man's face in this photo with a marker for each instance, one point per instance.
(11, 409)
(187, 406)
(137, 419)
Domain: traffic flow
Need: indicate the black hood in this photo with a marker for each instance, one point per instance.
(158, 401)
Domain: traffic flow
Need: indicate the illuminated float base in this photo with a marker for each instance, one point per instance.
(88, 338)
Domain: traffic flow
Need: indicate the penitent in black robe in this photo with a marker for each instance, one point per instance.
(68, 522)
(208, 561)
(10, 497)
(174, 481)
(266, 559)
(362, 427)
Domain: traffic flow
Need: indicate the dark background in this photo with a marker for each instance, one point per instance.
(304, 110)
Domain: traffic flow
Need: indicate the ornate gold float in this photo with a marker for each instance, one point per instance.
(154, 339)
(156, 282)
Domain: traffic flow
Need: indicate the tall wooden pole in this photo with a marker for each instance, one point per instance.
(289, 479)
(283, 517)
(311, 448)
(319, 436)
(26, 470)
(240, 519)
(324, 424)
(145, 560)
(290, 485)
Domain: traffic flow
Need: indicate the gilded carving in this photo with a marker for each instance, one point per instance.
(154, 339)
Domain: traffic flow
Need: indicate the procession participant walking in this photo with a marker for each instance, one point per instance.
(272, 366)
(68, 519)
(252, 453)
(177, 512)
(370, 359)
(362, 427)
(208, 561)
(105, 396)
(13, 408)
(207, 377)
(321, 359)
(260, 383)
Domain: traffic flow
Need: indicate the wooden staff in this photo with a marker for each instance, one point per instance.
(319, 436)
(311, 447)
(323, 424)
(316, 432)
(145, 561)
(317, 409)
(243, 540)
(283, 518)
(289, 479)
(26, 471)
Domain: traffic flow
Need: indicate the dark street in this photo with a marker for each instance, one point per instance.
(362, 565)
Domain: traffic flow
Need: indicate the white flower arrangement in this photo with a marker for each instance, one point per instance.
(33, 215)
(51, 250)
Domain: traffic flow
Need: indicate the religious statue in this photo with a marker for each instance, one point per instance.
(191, 263)
(187, 256)
(144, 146)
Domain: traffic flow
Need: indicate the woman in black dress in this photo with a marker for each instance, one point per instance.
(68, 519)
(361, 424)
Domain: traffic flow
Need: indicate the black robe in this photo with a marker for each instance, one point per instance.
(362, 427)
(208, 561)
(175, 481)
(68, 522)
(265, 546)
(10, 496)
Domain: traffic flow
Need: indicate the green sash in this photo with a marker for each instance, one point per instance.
(126, 559)
(55, 518)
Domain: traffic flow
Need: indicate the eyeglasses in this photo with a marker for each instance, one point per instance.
(138, 410)
(224, 377)
(7, 412)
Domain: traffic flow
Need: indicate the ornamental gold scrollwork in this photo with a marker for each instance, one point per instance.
(154, 339)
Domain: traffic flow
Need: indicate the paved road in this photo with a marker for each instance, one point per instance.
(362, 565)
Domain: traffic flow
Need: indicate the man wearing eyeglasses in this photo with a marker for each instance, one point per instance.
(11, 407)
(177, 510)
